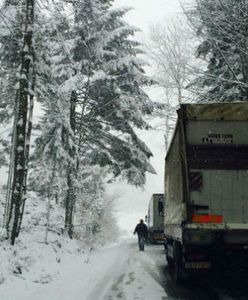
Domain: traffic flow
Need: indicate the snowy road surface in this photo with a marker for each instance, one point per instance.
(119, 272)
(144, 275)
(133, 275)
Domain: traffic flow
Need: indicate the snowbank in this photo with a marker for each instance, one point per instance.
(59, 269)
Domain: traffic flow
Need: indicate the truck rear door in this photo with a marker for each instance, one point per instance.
(217, 155)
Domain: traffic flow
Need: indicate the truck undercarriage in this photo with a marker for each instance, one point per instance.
(215, 250)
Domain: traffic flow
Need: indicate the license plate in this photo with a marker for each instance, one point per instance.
(198, 265)
(158, 237)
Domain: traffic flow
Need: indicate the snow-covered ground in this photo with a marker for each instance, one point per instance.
(50, 266)
(64, 272)
(99, 267)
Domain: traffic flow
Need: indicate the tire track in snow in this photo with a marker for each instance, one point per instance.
(136, 282)
(134, 275)
(128, 279)
(113, 271)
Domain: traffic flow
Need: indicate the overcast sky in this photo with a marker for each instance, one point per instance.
(146, 12)
(132, 203)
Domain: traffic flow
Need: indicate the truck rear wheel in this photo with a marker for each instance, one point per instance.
(150, 238)
(170, 262)
(177, 254)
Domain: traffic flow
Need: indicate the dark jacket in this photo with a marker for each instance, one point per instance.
(141, 229)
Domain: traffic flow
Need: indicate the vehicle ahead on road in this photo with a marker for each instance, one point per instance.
(206, 186)
(155, 219)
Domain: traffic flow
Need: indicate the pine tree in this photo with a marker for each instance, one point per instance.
(51, 153)
(224, 30)
(10, 41)
(22, 128)
(55, 89)
(19, 71)
(94, 82)
(112, 100)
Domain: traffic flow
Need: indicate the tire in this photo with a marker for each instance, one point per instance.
(178, 269)
(150, 238)
(170, 261)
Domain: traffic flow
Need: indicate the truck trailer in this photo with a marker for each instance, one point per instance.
(206, 186)
(155, 219)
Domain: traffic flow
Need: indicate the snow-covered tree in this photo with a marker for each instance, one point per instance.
(82, 64)
(222, 25)
(10, 47)
(55, 87)
(10, 41)
(21, 59)
(170, 50)
(111, 98)
(23, 68)
(50, 153)
(95, 221)
(93, 62)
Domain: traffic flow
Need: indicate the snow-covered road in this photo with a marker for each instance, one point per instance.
(116, 272)
(131, 276)
(144, 275)
(112, 273)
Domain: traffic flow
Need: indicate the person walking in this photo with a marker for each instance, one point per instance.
(141, 230)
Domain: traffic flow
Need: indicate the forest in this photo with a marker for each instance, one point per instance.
(74, 92)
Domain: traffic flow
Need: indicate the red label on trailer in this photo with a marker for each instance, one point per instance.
(216, 219)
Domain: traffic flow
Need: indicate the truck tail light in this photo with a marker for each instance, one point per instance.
(207, 219)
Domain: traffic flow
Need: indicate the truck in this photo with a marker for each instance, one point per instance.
(155, 219)
(206, 186)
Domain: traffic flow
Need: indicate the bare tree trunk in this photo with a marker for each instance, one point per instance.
(71, 172)
(20, 157)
